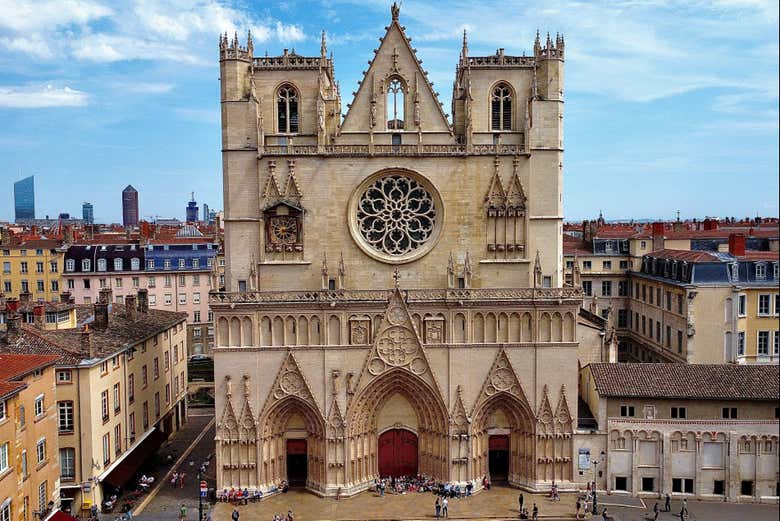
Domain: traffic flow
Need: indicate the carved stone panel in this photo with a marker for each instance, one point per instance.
(433, 330)
(359, 331)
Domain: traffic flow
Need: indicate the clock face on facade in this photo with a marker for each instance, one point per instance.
(396, 216)
(284, 230)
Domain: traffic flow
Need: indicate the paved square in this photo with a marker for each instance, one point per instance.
(497, 503)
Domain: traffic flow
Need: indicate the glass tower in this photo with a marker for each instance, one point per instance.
(24, 198)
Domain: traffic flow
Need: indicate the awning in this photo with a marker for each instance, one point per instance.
(59, 515)
(119, 473)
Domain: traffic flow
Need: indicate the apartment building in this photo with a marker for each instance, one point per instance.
(120, 390)
(33, 267)
(704, 431)
(44, 315)
(29, 457)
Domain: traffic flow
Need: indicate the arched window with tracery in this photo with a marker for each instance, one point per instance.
(501, 107)
(395, 104)
(287, 109)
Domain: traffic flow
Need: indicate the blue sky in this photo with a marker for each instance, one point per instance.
(669, 105)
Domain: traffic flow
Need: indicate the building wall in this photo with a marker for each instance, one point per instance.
(85, 391)
(11, 276)
(23, 438)
(752, 322)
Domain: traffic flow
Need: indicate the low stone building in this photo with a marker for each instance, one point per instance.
(704, 431)
(29, 463)
(120, 390)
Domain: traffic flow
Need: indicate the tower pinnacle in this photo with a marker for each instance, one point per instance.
(395, 10)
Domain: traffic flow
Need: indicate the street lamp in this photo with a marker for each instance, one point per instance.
(200, 480)
(595, 463)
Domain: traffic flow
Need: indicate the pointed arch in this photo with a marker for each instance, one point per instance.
(556, 328)
(288, 99)
(544, 327)
(459, 329)
(266, 332)
(223, 332)
(502, 96)
(247, 332)
(235, 332)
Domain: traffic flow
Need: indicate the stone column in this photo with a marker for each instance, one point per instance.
(634, 464)
(732, 467)
(666, 464)
(697, 458)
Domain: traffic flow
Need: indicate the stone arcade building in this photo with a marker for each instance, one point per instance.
(394, 301)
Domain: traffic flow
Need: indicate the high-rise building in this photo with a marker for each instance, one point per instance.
(205, 213)
(130, 206)
(192, 210)
(87, 213)
(24, 198)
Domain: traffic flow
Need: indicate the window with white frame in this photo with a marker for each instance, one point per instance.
(167, 264)
(135, 264)
(168, 299)
(86, 264)
(101, 265)
(742, 311)
(118, 264)
(764, 304)
(152, 300)
(40, 407)
(150, 264)
(196, 298)
(5, 509)
(182, 263)
(43, 496)
(776, 347)
(40, 450)
(106, 448)
(775, 270)
(182, 298)
(3, 411)
(763, 343)
(68, 463)
(741, 343)
(65, 416)
(734, 271)
(4, 457)
(760, 270)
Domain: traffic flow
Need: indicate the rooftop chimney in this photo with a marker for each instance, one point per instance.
(130, 307)
(710, 224)
(14, 324)
(105, 296)
(38, 314)
(12, 305)
(101, 315)
(658, 236)
(737, 244)
(143, 300)
(25, 297)
(87, 344)
(65, 297)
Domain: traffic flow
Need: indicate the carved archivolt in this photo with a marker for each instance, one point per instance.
(501, 379)
(290, 382)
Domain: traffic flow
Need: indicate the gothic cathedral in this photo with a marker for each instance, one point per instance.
(394, 298)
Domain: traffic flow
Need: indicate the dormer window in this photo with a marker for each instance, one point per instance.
(86, 265)
(101, 264)
(287, 109)
(734, 271)
(760, 270)
(501, 107)
(117, 264)
(685, 271)
(395, 104)
(775, 270)
(70, 265)
(135, 264)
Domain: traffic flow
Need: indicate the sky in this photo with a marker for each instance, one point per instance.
(669, 105)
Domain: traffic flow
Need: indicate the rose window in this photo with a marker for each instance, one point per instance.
(396, 215)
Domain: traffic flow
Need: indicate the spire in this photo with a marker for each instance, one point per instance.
(250, 46)
(395, 10)
(537, 44)
(323, 47)
(464, 53)
(537, 271)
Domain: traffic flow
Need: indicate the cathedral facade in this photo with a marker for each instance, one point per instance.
(394, 299)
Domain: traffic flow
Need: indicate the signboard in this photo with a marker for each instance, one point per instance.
(204, 489)
(584, 459)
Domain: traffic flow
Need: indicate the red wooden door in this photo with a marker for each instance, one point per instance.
(398, 453)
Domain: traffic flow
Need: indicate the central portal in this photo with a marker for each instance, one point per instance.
(397, 453)
(498, 458)
(297, 463)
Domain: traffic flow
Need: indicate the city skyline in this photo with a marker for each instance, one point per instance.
(659, 97)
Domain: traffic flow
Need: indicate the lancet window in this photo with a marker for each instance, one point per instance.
(395, 104)
(501, 107)
(287, 109)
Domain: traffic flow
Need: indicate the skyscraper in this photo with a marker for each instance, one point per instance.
(24, 198)
(205, 213)
(192, 210)
(87, 213)
(130, 206)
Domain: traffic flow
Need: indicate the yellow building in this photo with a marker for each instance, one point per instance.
(44, 315)
(121, 391)
(32, 267)
(29, 458)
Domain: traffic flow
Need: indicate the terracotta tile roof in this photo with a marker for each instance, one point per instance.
(691, 381)
(685, 255)
(10, 388)
(572, 245)
(17, 365)
(66, 343)
(752, 255)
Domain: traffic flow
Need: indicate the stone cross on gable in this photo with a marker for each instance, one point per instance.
(396, 277)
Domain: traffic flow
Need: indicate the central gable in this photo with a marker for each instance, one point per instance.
(395, 60)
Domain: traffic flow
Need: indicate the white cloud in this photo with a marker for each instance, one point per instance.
(289, 33)
(148, 88)
(43, 96)
(34, 46)
(45, 15)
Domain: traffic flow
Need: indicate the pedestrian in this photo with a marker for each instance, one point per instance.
(183, 512)
(181, 480)
(604, 516)
(437, 507)
(535, 513)
(444, 512)
(234, 516)
(668, 503)
(174, 479)
(290, 516)
(656, 510)
(520, 500)
(685, 506)
(578, 506)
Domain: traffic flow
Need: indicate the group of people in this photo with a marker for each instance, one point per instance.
(421, 483)
(668, 507)
(145, 482)
(237, 496)
(177, 479)
(282, 517)
(524, 513)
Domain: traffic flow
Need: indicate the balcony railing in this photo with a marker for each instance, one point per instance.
(391, 150)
